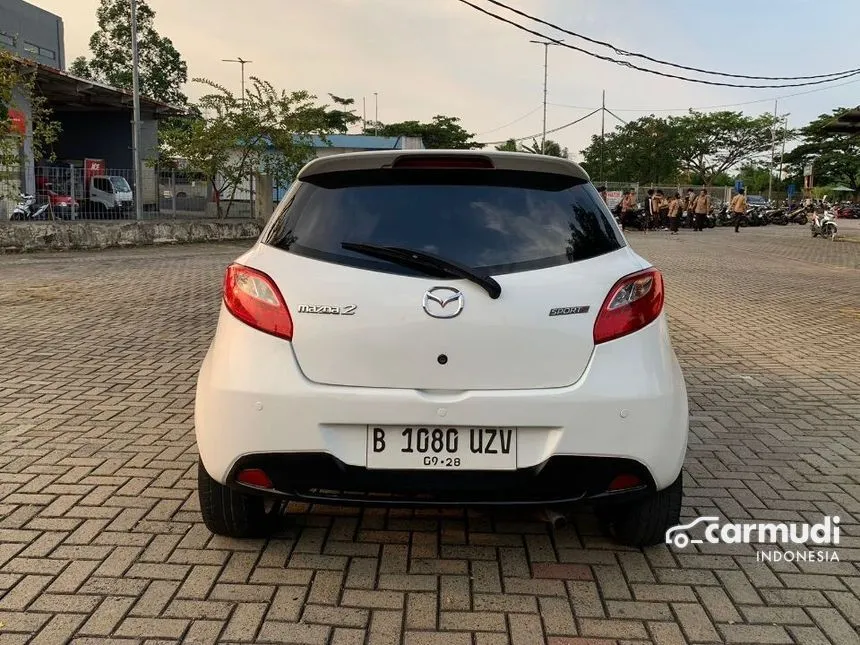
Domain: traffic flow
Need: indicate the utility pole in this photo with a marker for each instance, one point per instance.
(546, 45)
(772, 152)
(602, 136)
(376, 117)
(241, 62)
(784, 135)
(364, 115)
(135, 74)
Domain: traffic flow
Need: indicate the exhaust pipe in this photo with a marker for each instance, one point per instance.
(554, 518)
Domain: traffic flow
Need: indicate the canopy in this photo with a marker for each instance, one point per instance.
(847, 123)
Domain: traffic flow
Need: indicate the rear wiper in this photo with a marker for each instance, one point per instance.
(424, 261)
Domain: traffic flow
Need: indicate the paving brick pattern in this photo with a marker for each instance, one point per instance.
(101, 541)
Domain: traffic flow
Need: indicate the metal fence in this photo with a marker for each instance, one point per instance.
(65, 192)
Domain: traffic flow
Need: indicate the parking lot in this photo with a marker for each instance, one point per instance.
(101, 540)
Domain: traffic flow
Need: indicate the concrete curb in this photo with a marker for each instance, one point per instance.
(17, 237)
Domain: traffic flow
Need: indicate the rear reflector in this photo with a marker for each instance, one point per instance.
(254, 477)
(622, 482)
(440, 161)
(253, 298)
(634, 302)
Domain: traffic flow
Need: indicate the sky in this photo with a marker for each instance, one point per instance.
(429, 57)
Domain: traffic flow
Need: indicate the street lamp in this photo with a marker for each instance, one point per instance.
(242, 63)
(546, 45)
(784, 118)
(777, 120)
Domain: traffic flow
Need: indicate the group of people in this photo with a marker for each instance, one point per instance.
(665, 213)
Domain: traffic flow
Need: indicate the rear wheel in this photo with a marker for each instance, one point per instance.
(229, 512)
(645, 522)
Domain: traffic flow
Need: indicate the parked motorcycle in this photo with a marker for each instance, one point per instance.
(798, 216)
(637, 219)
(27, 209)
(824, 224)
(724, 217)
(752, 216)
(847, 211)
(777, 216)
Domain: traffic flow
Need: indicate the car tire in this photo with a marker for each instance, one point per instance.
(230, 512)
(645, 522)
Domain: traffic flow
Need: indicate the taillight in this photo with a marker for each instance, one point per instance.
(442, 161)
(253, 298)
(254, 477)
(635, 301)
(624, 481)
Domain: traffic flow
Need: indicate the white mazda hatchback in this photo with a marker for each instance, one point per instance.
(442, 328)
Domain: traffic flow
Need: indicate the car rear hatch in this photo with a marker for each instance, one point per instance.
(361, 318)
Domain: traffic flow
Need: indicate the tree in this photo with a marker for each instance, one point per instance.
(162, 69)
(709, 144)
(18, 92)
(835, 156)
(270, 131)
(551, 148)
(704, 146)
(642, 151)
(757, 178)
(443, 132)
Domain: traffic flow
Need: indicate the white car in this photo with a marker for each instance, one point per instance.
(442, 327)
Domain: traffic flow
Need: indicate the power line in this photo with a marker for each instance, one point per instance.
(622, 52)
(517, 120)
(644, 69)
(714, 107)
(536, 135)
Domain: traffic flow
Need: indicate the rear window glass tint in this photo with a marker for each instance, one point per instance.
(495, 220)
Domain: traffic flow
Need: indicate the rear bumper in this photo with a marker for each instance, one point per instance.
(252, 401)
(322, 478)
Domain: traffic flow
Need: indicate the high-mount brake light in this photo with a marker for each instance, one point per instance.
(633, 302)
(253, 298)
(439, 161)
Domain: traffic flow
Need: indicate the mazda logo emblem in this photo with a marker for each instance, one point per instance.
(443, 302)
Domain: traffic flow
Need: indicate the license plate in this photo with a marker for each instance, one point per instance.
(424, 448)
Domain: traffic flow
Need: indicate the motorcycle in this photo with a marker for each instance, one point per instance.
(777, 216)
(824, 224)
(798, 216)
(757, 217)
(27, 209)
(724, 218)
(637, 219)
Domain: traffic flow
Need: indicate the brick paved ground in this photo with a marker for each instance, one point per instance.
(100, 539)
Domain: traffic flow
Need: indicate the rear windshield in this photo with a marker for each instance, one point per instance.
(498, 221)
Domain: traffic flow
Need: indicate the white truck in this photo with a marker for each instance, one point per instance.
(107, 194)
(104, 194)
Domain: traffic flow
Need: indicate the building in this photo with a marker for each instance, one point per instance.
(340, 143)
(32, 33)
(95, 122)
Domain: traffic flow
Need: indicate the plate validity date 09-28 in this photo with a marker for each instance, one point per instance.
(420, 448)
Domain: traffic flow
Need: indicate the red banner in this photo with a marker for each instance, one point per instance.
(93, 168)
(19, 121)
